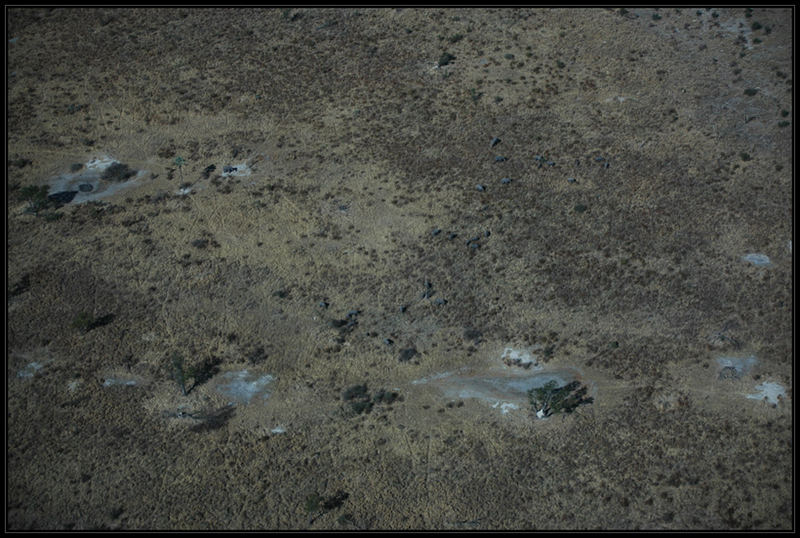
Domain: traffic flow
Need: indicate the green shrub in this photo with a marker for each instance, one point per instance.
(445, 59)
(36, 197)
(360, 401)
(551, 399)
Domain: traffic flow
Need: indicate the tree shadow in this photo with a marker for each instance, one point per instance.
(213, 420)
(205, 371)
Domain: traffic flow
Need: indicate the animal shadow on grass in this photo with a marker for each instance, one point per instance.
(101, 321)
(86, 322)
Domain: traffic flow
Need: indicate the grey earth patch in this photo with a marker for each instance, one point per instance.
(243, 386)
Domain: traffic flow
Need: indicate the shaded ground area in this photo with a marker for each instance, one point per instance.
(336, 198)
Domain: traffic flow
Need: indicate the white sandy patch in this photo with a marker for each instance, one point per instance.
(521, 357)
(243, 386)
(116, 381)
(772, 392)
(757, 259)
(505, 407)
(240, 170)
(30, 370)
(741, 365)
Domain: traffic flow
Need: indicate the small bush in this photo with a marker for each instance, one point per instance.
(360, 401)
(445, 59)
(36, 197)
(551, 399)
(118, 172)
(356, 391)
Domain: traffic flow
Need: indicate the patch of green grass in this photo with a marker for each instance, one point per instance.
(83, 321)
(52, 217)
(313, 503)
